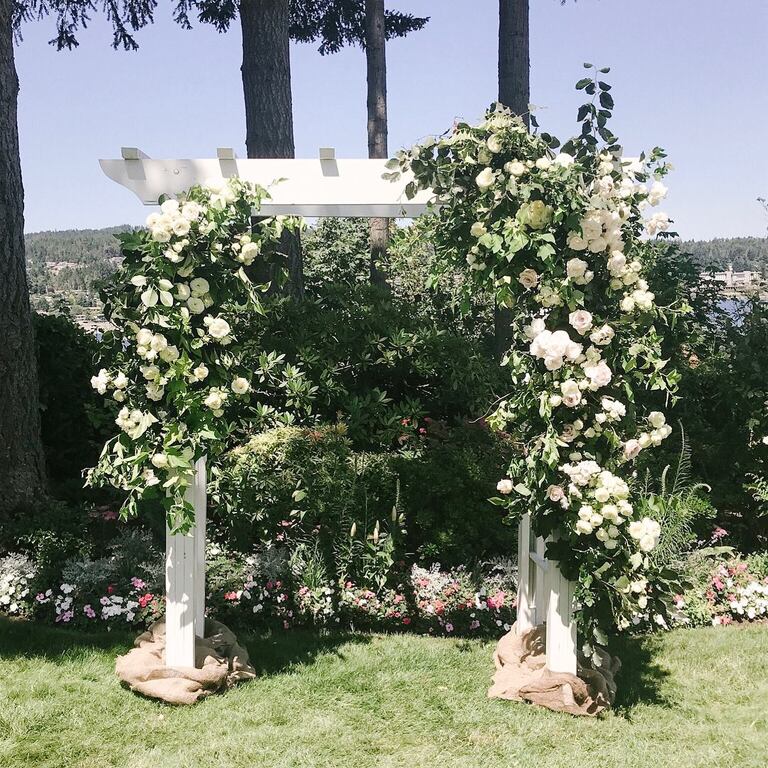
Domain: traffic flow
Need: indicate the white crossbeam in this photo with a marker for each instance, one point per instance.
(325, 186)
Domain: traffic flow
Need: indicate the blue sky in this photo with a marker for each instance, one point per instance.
(688, 75)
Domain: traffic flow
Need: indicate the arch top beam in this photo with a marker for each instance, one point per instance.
(325, 186)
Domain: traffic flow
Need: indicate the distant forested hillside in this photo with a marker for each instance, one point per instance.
(67, 267)
(745, 253)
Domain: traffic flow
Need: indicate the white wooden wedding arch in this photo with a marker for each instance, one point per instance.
(317, 187)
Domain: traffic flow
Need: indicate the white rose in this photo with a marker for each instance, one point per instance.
(576, 242)
(170, 354)
(477, 229)
(240, 385)
(631, 449)
(485, 179)
(199, 286)
(218, 327)
(581, 320)
(575, 268)
(543, 163)
(170, 207)
(160, 460)
(528, 278)
(183, 292)
(195, 305)
(200, 372)
(555, 493)
(215, 400)
(514, 168)
(599, 375)
(505, 486)
(494, 143)
(657, 419)
(564, 160)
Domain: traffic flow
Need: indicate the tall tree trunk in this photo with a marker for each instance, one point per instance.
(376, 63)
(22, 467)
(515, 93)
(514, 56)
(266, 72)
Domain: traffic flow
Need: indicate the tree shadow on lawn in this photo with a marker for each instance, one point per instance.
(271, 653)
(277, 652)
(20, 638)
(641, 679)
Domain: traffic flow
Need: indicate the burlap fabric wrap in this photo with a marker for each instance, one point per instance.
(521, 675)
(220, 662)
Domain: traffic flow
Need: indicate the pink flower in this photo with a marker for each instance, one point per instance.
(137, 582)
(474, 624)
(89, 612)
(449, 627)
(39, 597)
(230, 596)
(144, 600)
(406, 620)
(718, 533)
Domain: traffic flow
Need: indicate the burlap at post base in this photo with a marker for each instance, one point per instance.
(220, 662)
(521, 675)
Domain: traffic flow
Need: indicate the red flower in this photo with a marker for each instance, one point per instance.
(230, 596)
(110, 589)
(145, 599)
(406, 620)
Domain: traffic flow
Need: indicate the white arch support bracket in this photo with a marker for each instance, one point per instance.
(325, 186)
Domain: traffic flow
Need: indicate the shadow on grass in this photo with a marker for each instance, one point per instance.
(641, 679)
(278, 652)
(271, 653)
(28, 639)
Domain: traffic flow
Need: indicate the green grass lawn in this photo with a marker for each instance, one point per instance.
(687, 698)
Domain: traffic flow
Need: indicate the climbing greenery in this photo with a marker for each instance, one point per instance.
(561, 235)
(178, 377)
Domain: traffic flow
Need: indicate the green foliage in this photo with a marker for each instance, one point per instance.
(74, 419)
(347, 514)
(678, 505)
(357, 354)
(305, 490)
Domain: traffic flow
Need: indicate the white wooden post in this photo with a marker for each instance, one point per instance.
(525, 609)
(561, 627)
(545, 597)
(185, 580)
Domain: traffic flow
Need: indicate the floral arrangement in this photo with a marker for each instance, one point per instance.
(561, 237)
(175, 301)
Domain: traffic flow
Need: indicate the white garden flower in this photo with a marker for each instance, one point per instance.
(485, 179)
(195, 305)
(477, 229)
(659, 222)
(505, 486)
(101, 381)
(528, 278)
(656, 419)
(602, 336)
(200, 372)
(564, 160)
(657, 193)
(631, 449)
(581, 321)
(215, 399)
(199, 286)
(576, 268)
(576, 242)
(494, 143)
(218, 327)
(571, 393)
(160, 460)
(240, 385)
(514, 168)
(599, 374)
